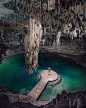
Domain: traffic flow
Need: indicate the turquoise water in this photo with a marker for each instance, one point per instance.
(14, 77)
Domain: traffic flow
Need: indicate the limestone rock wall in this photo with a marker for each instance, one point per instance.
(54, 15)
(59, 16)
(12, 35)
(61, 23)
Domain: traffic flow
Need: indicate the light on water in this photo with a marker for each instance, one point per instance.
(14, 77)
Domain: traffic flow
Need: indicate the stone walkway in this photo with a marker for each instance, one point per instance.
(33, 96)
(46, 77)
(37, 90)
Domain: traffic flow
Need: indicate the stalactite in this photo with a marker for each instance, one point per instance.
(85, 9)
(43, 13)
(32, 42)
(58, 37)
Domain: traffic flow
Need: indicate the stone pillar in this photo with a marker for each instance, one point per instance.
(58, 37)
(44, 30)
(80, 8)
(48, 4)
(85, 9)
(75, 9)
(51, 4)
(32, 41)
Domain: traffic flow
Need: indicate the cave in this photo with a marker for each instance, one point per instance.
(43, 54)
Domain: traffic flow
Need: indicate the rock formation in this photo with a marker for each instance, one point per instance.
(63, 100)
(57, 19)
(32, 41)
(57, 26)
(50, 18)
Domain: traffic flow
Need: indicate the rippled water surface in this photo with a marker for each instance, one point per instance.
(14, 77)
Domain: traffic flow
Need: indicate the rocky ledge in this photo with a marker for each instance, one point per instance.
(63, 100)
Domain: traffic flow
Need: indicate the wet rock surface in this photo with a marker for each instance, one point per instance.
(63, 100)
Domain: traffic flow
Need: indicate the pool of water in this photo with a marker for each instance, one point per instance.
(14, 76)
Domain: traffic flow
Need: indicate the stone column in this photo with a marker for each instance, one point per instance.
(51, 4)
(85, 9)
(32, 41)
(75, 9)
(48, 4)
(58, 37)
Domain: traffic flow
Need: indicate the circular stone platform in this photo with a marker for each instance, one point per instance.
(51, 77)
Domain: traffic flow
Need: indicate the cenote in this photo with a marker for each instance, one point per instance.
(14, 76)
